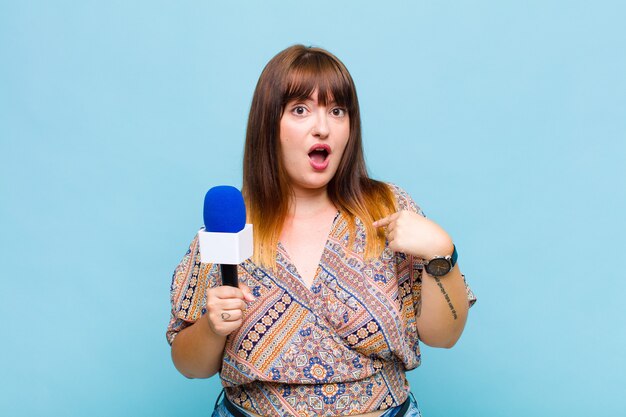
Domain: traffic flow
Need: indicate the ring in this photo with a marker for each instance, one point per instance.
(225, 316)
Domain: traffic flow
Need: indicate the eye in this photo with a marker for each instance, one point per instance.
(338, 112)
(299, 110)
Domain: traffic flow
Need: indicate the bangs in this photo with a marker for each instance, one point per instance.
(317, 71)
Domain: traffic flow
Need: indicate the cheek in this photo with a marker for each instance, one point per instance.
(288, 135)
(289, 152)
(285, 139)
(345, 137)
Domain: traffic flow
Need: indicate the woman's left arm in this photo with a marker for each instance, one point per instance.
(444, 304)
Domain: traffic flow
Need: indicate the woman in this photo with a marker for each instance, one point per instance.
(346, 270)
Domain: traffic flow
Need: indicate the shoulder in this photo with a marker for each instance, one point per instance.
(403, 199)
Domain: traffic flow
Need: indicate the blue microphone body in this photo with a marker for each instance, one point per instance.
(225, 212)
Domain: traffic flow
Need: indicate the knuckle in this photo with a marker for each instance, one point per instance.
(230, 292)
(214, 321)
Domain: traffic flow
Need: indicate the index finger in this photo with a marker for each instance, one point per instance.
(225, 292)
(385, 221)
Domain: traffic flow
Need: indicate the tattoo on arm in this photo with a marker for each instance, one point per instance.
(418, 303)
(445, 294)
(418, 307)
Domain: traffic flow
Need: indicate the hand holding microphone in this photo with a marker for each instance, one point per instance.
(226, 240)
(225, 306)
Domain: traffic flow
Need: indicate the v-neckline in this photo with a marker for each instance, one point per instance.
(319, 263)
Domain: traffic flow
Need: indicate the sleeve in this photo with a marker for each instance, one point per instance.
(190, 281)
(405, 202)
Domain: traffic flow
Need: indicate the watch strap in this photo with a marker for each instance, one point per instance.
(454, 256)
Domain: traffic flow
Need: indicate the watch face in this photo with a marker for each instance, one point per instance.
(438, 267)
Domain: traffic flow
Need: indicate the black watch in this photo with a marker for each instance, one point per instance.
(441, 265)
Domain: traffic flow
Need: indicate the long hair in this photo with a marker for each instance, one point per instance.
(294, 74)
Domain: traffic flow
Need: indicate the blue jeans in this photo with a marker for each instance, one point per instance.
(413, 411)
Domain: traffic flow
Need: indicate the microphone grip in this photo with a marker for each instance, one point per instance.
(229, 275)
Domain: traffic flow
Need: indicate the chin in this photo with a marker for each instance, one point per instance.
(314, 184)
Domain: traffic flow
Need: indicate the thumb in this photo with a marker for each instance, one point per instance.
(247, 294)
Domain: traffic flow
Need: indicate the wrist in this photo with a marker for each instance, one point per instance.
(439, 247)
(440, 265)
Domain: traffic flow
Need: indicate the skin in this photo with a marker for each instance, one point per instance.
(444, 307)
(305, 124)
(197, 350)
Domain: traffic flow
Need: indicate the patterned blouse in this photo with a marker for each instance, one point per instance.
(338, 348)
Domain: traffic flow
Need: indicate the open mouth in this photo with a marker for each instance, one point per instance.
(318, 155)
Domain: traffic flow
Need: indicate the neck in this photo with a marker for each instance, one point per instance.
(308, 203)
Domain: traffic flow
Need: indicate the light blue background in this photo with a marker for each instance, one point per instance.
(506, 121)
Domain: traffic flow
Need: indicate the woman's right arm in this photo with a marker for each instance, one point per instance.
(197, 350)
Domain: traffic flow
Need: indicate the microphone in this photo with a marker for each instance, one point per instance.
(225, 239)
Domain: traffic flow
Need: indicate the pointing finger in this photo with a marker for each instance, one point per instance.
(385, 221)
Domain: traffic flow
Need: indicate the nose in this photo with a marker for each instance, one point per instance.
(321, 128)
